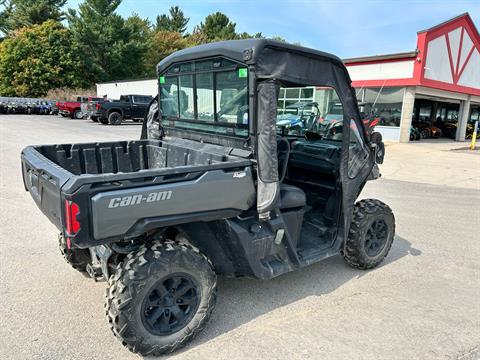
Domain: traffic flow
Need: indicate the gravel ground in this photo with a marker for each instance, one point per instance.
(422, 303)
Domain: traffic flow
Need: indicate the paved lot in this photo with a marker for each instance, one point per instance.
(422, 303)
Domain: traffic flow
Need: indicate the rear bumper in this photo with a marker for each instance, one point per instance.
(94, 114)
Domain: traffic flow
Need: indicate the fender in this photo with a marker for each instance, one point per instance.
(115, 110)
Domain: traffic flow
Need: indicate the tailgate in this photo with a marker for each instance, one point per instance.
(84, 107)
(44, 179)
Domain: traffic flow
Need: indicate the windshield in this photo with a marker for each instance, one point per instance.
(319, 113)
(212, 100)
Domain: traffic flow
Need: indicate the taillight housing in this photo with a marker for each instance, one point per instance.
(71, 212)
(98, 106)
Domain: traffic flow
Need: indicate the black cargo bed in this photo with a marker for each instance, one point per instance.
(131, 156)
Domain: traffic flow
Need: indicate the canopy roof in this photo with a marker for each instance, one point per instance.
(271, 59)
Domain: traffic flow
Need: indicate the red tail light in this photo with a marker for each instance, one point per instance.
(98, 106)
(71, 212)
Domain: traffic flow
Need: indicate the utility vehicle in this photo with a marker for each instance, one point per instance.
(212, 189)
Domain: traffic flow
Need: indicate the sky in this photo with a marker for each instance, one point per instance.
(344, 28)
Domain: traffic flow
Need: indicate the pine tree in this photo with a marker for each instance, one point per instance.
(111, 46)
(21, 13)
(175, 22)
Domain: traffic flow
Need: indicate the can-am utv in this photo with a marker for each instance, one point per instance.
(212, 189)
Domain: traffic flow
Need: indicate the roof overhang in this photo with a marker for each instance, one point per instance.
(381, 58)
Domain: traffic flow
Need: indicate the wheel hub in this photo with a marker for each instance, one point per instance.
(376, 237)
(170, 304)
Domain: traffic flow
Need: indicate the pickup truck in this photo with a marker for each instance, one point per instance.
(115, 112)
(73, 109)
(89, 109)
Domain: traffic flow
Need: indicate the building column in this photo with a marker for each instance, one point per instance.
(463, 114)
(407, 112)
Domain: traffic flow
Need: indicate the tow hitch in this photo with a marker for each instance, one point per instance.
(98, 268)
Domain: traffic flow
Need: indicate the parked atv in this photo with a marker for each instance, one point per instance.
(210, 189)
(414, 133)
(297, 118)
(428, 130)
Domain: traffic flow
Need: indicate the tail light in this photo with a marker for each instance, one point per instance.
(71, 212)
(98, 106)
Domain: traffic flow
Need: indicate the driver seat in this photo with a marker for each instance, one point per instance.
(292, 197)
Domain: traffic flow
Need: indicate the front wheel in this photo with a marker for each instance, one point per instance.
(160, 298)
(371, 234)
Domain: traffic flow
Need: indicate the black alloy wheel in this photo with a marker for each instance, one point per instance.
(115, 118)
(376, 237)
(171, 304)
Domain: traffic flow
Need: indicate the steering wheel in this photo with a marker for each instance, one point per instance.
(283, 154)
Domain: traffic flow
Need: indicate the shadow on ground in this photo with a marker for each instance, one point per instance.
(242, 300)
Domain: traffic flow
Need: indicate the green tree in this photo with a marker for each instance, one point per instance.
(113, 47)
(163, 44)
(175, 22)
(39, 58)
(278, 38)
(21, 13)
(246, 35)
(218, 26)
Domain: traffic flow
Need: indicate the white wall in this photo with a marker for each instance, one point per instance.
(439, 55)
(381, 71)
(389, 133)
(114, 90)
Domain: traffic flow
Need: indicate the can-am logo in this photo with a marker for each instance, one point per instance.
(139, 199)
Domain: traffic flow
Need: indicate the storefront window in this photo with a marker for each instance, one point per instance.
(386, 104)
(291, 96)
(321, 113)
(474, 115)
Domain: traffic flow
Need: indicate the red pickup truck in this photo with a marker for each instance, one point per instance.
(73, 108)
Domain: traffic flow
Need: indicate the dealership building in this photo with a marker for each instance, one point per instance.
(437, 83)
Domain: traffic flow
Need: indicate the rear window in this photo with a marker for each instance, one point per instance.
(208, 96)
(142, 99)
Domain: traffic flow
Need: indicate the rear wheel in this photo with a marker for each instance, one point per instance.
(94, 118)
(115, 118)
(77, 114)
(160, 298)
(371, 234)
(77, 258)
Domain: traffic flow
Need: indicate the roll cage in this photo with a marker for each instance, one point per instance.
(267, 65)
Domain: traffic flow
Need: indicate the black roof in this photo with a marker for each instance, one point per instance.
(247, 51)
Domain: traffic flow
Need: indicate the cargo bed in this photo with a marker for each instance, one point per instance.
(113, 183)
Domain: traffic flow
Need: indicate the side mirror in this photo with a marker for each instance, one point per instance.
(379, 147)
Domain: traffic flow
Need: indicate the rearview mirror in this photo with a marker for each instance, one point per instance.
(379, 147)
